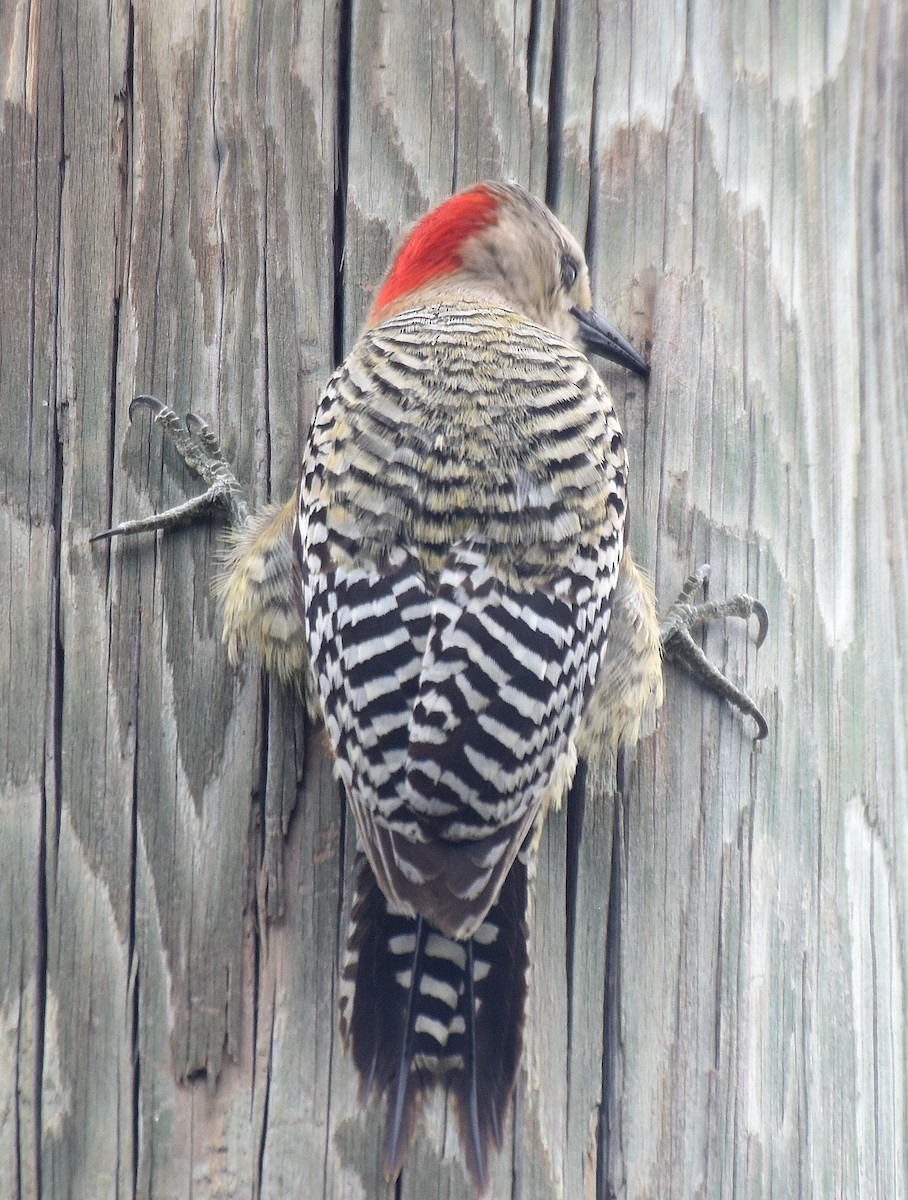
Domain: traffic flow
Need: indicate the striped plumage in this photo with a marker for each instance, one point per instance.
(461, 513)
(478, 1057)
(459, 535)
(444, 582)
(461, 516)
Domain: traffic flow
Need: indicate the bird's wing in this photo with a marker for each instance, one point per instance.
(491, 744)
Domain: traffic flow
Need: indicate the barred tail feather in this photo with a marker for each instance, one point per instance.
(417, 1007)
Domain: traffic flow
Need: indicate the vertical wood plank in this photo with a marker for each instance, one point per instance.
(30, 155)
(199, 201)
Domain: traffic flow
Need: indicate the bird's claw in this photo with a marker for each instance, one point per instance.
(679, 646)
(198, 446)
(158, 407)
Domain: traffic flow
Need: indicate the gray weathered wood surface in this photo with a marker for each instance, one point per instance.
(199, 200)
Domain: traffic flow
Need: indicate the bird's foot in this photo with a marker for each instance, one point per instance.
(198, 446)
(678, 645)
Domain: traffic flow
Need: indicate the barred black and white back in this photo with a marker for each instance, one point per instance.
(461, 526)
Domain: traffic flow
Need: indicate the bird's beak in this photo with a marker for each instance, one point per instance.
(602, 338)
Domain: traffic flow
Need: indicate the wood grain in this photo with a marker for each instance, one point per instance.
(199, 201)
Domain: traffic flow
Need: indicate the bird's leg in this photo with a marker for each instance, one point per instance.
(197, 444)
(679, 647)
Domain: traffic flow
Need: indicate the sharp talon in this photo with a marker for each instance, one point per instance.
(762, 724)
(759, 611)
(197, 445)
(680, 647)
(144, 401)
(749, 709)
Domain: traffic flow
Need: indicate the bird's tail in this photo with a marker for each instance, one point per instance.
(417, 1006)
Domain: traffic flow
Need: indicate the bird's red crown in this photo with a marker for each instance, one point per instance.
(433, 249)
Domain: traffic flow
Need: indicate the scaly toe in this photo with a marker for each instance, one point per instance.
(199, 448)
(201, 432)
(678, 646)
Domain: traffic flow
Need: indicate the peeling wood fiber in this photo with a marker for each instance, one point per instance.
(199, 201)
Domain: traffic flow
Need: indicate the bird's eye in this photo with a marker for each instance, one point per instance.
(569, 272)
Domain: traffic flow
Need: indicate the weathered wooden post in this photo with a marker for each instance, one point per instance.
(198, 201)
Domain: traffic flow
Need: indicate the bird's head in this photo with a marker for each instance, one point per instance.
(495, 243)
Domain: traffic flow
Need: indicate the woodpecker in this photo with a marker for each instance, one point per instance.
(451, 589)
(460, 531)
